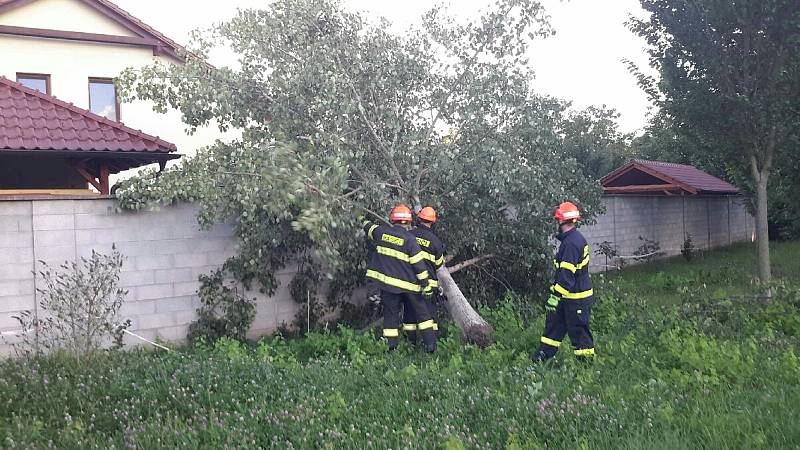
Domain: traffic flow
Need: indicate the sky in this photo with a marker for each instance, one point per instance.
(581, 63)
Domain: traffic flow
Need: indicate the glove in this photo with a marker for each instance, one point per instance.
(427, 292)
(552, 303)
(375, 299)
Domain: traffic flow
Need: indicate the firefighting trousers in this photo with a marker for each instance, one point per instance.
(570, 318)
(391, 318)
(410, 320)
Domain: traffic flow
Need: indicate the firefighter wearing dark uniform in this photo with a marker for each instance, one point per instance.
(569, 306)
(396, 267)
(433, 257)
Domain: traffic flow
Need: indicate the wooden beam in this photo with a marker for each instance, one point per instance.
(641, 188)
(78, 36)
(104, 187)
(80, 167)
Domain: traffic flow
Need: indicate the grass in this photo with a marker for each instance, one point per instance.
(698, 372)
(728, 272)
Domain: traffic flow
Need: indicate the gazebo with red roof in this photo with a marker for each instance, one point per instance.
(50, 147)
(657, 177)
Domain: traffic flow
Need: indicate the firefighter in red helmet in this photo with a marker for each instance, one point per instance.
(397, 269)
(569, 305)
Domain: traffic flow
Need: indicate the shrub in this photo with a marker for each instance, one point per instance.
(78, 308)
(223, 311)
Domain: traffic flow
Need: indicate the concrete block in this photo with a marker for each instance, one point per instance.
(52, 238)
(56, 253)
(154, 262)
(8, 322)
(174, 276)
(17, 256)
(174, 246)
(94, 221)
(16, 288)
(15, 223)
(155, 321)
(137, 308)
(95, 206)
(54, 222)
(136, 248)
(16, 303)
(47, 207)
(15, 208)
(15, 240)
(154, 292)
(175, 304)
(136, 278)
(191, 260)
(10, 272)
(183, 289)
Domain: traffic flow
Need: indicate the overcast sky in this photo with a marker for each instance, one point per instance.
(581, 63)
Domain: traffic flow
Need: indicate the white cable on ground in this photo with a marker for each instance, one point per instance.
(147, 340)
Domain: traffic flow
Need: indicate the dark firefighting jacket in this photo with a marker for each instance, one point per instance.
(396, 263)
(432, 251)
(572, 280)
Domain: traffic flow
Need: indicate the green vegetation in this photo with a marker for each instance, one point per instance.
(704, 372)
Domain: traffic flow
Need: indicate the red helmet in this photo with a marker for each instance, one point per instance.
(400, 214)
(567, 212)
(427, 214)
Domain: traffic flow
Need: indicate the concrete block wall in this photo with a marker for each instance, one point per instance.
(165, 253)
(712, 221)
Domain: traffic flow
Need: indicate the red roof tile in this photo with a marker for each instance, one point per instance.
(31, 120)
(682, 176)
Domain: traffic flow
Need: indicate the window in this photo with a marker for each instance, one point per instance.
(103, 98)
(37, 81)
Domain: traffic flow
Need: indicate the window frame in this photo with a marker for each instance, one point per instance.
(104, 80)
(36, 76)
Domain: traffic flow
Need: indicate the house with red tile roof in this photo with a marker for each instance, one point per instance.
(63, 129)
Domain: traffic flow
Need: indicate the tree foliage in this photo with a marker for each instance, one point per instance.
(341, 118)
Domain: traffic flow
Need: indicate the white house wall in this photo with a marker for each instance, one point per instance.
(64, 15)
(70, 64)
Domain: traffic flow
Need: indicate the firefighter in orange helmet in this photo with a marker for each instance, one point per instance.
(397, 269)
(433, 256)
(569, 305)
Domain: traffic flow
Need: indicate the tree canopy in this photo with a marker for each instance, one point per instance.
(340, 117)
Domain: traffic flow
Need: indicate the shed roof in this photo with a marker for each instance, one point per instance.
(643, 176)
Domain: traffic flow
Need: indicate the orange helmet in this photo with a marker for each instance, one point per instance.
(400, 214)
(427, 214)
(567, 212)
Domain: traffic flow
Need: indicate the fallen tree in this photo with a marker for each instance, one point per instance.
(340, 117)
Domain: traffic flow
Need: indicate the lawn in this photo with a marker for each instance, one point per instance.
(680, 365)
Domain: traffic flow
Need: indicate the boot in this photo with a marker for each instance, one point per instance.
(429, 339)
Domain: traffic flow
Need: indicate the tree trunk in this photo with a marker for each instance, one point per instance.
(476, 330)
(761, 177)
(762, 230)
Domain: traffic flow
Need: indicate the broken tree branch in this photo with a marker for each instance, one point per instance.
(470, 262)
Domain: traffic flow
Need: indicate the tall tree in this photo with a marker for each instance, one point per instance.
(341, 117)
(730, 77)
